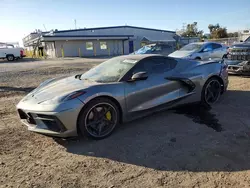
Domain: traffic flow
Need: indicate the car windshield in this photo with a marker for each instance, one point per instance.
(191, 47)
(248, 39)
(146, 50)
(109, 71)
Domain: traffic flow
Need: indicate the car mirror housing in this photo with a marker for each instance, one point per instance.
(139, 76)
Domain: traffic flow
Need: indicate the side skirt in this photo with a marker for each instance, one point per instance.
(143, 113)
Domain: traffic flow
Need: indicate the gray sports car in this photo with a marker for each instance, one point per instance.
(119, 90)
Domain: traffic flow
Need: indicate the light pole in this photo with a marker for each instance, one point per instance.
(75, 23)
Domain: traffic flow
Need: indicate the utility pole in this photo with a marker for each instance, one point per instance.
(75, 23)
(44, 27)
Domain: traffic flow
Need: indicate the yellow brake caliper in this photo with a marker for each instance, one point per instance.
(108, 115)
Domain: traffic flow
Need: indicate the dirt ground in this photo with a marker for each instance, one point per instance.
(186, 147)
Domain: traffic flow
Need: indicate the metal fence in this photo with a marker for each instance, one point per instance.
(226, 41)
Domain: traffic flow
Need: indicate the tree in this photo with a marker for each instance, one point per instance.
(216, 31)
(234, 34)
(192, 31)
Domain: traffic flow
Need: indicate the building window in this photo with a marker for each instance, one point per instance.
(143, 44)
(103, 45)
(89, 46)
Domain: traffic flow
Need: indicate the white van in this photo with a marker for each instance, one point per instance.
(9, 52)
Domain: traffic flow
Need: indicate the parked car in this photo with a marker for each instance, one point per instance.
(155, 48)
(201, 51)
(9, 52)
(238, 58)
(119, 90)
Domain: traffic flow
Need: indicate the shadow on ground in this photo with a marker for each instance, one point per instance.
(18, 89)
(170, 141)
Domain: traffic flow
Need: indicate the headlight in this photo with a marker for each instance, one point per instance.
(57, 100)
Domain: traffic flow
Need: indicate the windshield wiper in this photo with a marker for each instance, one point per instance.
(78, 76)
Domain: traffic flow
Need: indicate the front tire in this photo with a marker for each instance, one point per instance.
(99, 118)
(10, 57)
(211, 92)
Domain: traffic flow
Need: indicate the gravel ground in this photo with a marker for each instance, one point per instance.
(184, 147)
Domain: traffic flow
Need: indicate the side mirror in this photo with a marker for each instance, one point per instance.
(139, 76)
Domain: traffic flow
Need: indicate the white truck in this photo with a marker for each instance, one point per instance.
(9, 52)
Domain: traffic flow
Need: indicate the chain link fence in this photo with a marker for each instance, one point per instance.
(226, 41)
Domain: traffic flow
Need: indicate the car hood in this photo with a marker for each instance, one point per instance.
(57, 87)
(241, 45)
(181, 54)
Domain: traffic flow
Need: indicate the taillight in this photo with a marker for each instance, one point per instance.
(21, 52)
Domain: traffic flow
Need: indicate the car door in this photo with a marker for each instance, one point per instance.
(143, 95)
(218, 51)
(2, 53)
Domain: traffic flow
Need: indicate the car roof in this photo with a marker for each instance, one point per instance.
(138, 56)
(202, 43)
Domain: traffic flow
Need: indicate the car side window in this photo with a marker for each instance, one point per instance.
(143, 66)
(215, 46)
(156, 65)
(163, 64)
(208, 47)
(165, 46)
(157, 48)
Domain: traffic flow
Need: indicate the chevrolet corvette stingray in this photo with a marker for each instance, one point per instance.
(119, 90)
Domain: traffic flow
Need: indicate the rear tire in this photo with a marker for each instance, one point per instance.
(10, 57)
(211, 92)
(94, 118)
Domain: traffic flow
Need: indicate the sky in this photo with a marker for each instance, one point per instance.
(18, 18)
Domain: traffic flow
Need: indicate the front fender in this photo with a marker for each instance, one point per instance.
(114, 91)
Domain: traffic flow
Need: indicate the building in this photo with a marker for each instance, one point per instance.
(243, 35)
(100, 41)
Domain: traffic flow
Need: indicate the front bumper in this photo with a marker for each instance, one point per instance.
(62, 122)
(237, 67)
